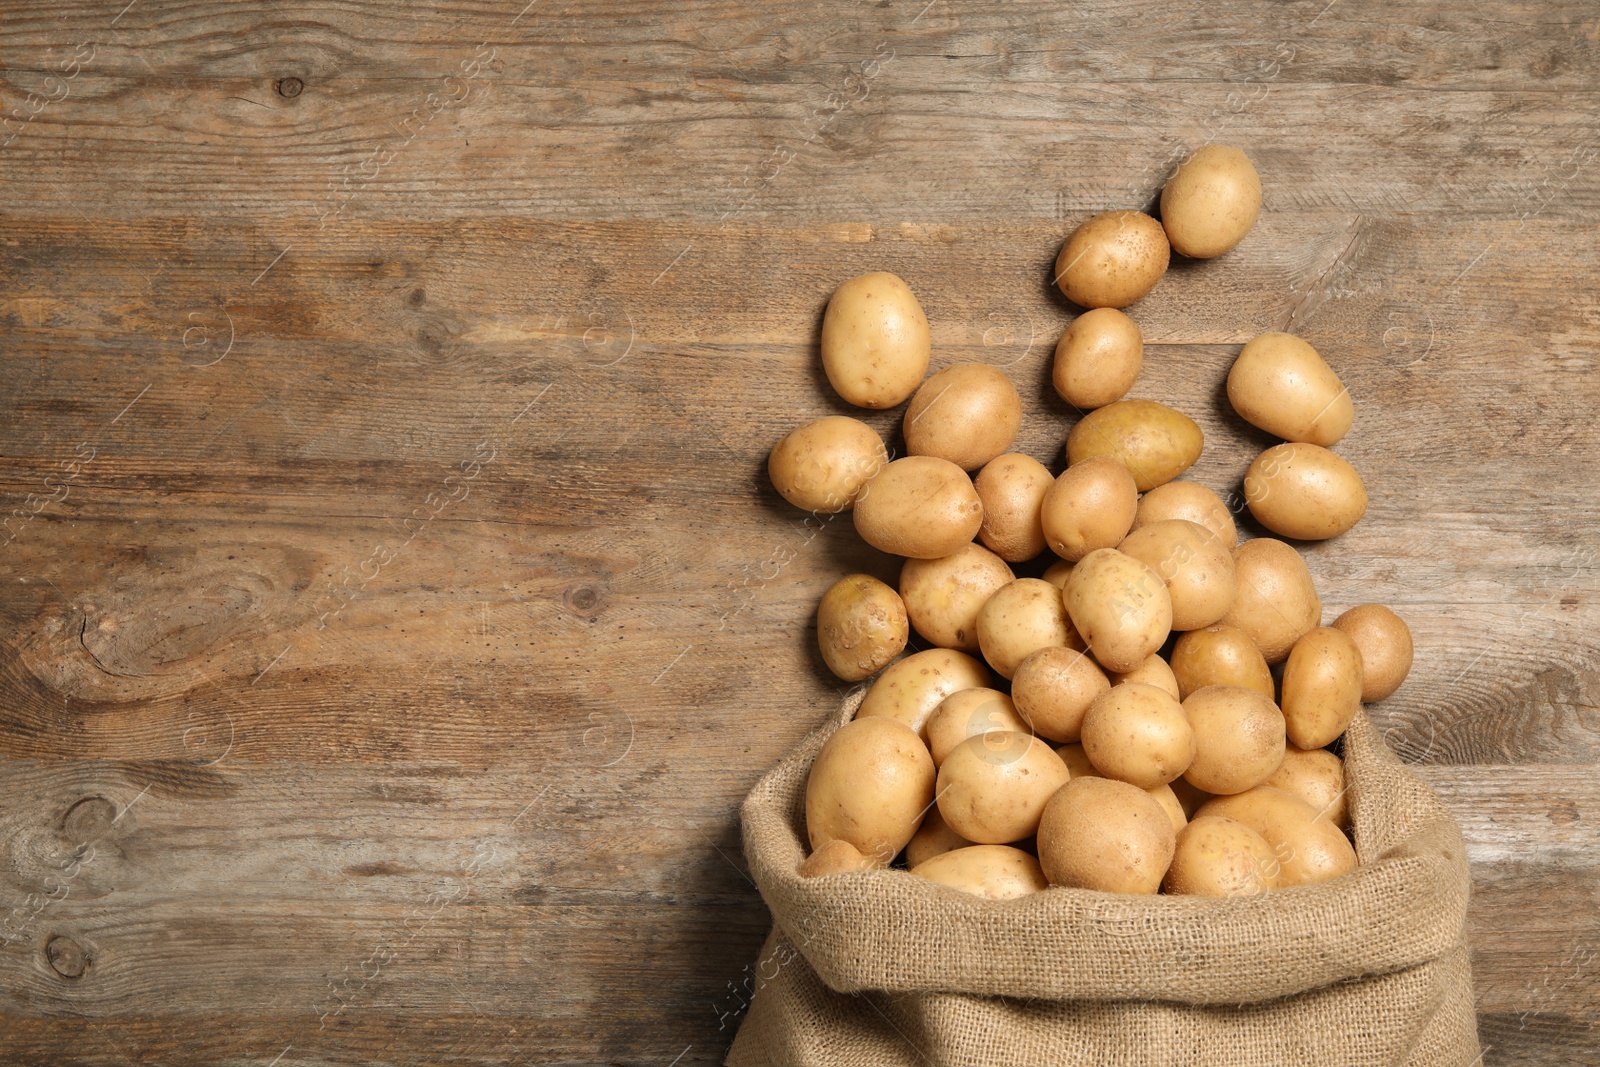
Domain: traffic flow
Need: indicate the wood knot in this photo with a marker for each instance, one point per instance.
(290, 87)
(88, 820)
(583, 599)
(67, 957)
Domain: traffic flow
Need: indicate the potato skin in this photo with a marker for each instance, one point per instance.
(967, 413)
(1309, 849)
(1384, 641)
(992, 787)
(919, 506)
(1119, 606)
(861, 626)
(1191, 501)
(875, 341)
(1019, 619)
(1090, 506)
(820, 467)
(1099, 833)
(1196, 566)
(994, 872)
(1112, 259)
(1153, 671)
(968, 713)
(1098, 358)
(933, 838)
(836, 857)
(1209, 205)
(1220, 655)
(1053, 688)
(1153, 441)
(1304, 491)
(911, 689)
(1011, 488)
(943, 596)
(1239, 738)
(1321, 687)
(1276, 602)
(869, 785)
(1138, 734)
(1221, 857)
(1282, 385)
(1316, 776)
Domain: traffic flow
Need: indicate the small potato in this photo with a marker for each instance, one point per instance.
(1153, 441)
(1191, 501)
(943, 596)
(994, 872)
(1195, 564)
(1052, 689)
(875, 341)
(1384, 641)
(919, 506)
(1090, 506)
(1220, 655)
(1211, 202)
(861, 626)
(1239, 738)
(1309, 849)
(1153, 671)
(1058, 573)
(836, 857)
(1098, 358)
(1189, 798)
(1321, 687)
(1077, 761)
(968, 413)
(1018, 620)
(992, 787)
(1280, 384)
(1120, 607)
(869, 786)
(1168, 800)
(1099, 833)
(968, 713)
(1138, 734)
(933, 838)
(1011, 488)
(1304, 491)
(821, 466)
(1276, 603)
(1112, 259)
(1221, 857)
(1316, 776)
(910, 690)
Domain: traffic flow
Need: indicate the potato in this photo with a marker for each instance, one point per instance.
(1077, 761)
(993, 787)
(1189, 798)
(822, 465)
(1112, 259)
(861, 626)
(869, 786)
(1052, 689)
(1220, 655)
(1239, 738)
(1138, 734)
(836, 857)
(1153, 441)
(1191, 501)
(968, 713)
(910, 690)
(1316, 776)
(1384, 641)
(1058, 573)
(1309, 849)
(1120, 608)
(1019, 619)
(1221, 857)
(1011, 488)
(1168, 800)
(933, 838)
(1211, 202)
(1195, 564)
(875, 341)
(919, 506)
(994, 872)
(968, 413)
(1098, 358)
(943, 596)
(1090, 506)
(1276, 602)
(1304, 491)
(1099, 833)
(1321, 687)
(1282, 385)
(1153, 671)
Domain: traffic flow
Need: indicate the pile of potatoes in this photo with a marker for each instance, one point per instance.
(1115, 723)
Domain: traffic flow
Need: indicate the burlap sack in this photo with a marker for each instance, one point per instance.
(884, 968)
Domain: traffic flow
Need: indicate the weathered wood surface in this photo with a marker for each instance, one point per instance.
(395, 606)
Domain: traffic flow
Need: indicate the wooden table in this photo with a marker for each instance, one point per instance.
(395, 605)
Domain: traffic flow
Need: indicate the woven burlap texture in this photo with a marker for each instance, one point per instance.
(885, 968)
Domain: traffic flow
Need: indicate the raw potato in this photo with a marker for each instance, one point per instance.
(1112, 259)
(1276, 603)
(943, 596)
(1282, 385)
(836, 857)
(968, 713)
(1211, 202)
(1309, 849)
(1090, 506)
(1384, 640)
(910, 690)
(1195, 564)
(1011, 488)
(1054, 687)
(1239, 738)
(994, 872)
(1316, 776)
(1020, 619)
(1099, 833)
(1077, 761)
(1168, 800)
(869, 786)
(1098, 358)
(1058, 573)
(1153, 671)
(993, 787)
(1220, 655)
(1191, 501)
(1138, 734)
(1221, 857)
(1153, 441)
(1188, 796)
(861, 626)
(1119, 606)
(919, 506)
(933, 838)
(875, 341)
(1304, 491)
(1321, 687)
(968, 414)
(822, 465)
